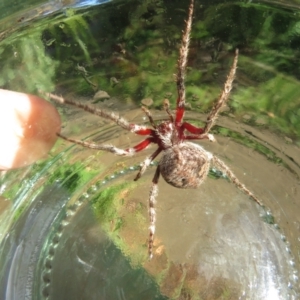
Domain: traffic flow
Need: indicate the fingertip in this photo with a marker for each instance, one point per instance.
(28, 127)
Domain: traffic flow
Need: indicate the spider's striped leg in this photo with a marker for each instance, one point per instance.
(181, 66)
(111, 148)
(145, 164)
(167, 109)
(212, 117)
(141, 130)
(224, 168)
(152, 215)
(148, 114)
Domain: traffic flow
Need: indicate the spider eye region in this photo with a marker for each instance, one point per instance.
(164, 133)
(165, 128)
(185, 165)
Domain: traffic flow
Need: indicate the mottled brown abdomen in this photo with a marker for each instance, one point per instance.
(185, 165)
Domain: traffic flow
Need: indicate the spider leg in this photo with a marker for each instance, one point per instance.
(145, 164)
(181, 66)
(167, 109)
(211, 119)
(208, 136)
(110, 148)
(152, 215)
(191, 128)
(224, 168)
(141, 130)
(197, 132)
(148, 114)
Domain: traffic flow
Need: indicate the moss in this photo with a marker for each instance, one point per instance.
(106, 204)
(125, 226)
(18, 212)
(276, 98)
(71, 176)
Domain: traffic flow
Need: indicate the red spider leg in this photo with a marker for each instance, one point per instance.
(142, 145)
(110, 148)
(211, 119)
(181, 66)
(191, 128)
(141, 130)
(146, 163)
(197, 131)
(152, 215)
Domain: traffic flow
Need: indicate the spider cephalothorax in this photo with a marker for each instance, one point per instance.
(183, 164)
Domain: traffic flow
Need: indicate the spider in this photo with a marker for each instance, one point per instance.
(183, 164)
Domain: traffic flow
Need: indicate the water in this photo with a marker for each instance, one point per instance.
(74, 226)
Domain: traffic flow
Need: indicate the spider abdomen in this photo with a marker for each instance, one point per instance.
(185, 165)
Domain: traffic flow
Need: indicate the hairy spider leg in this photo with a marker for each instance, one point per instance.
(110, 148)
(224, 168)
(148, 114)
(137, 129)
(181, 67)
(167, 109)
(123, 123)
(182, 62)
(212, 117)
(203, 133)
(146, 163)
(152, 214)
